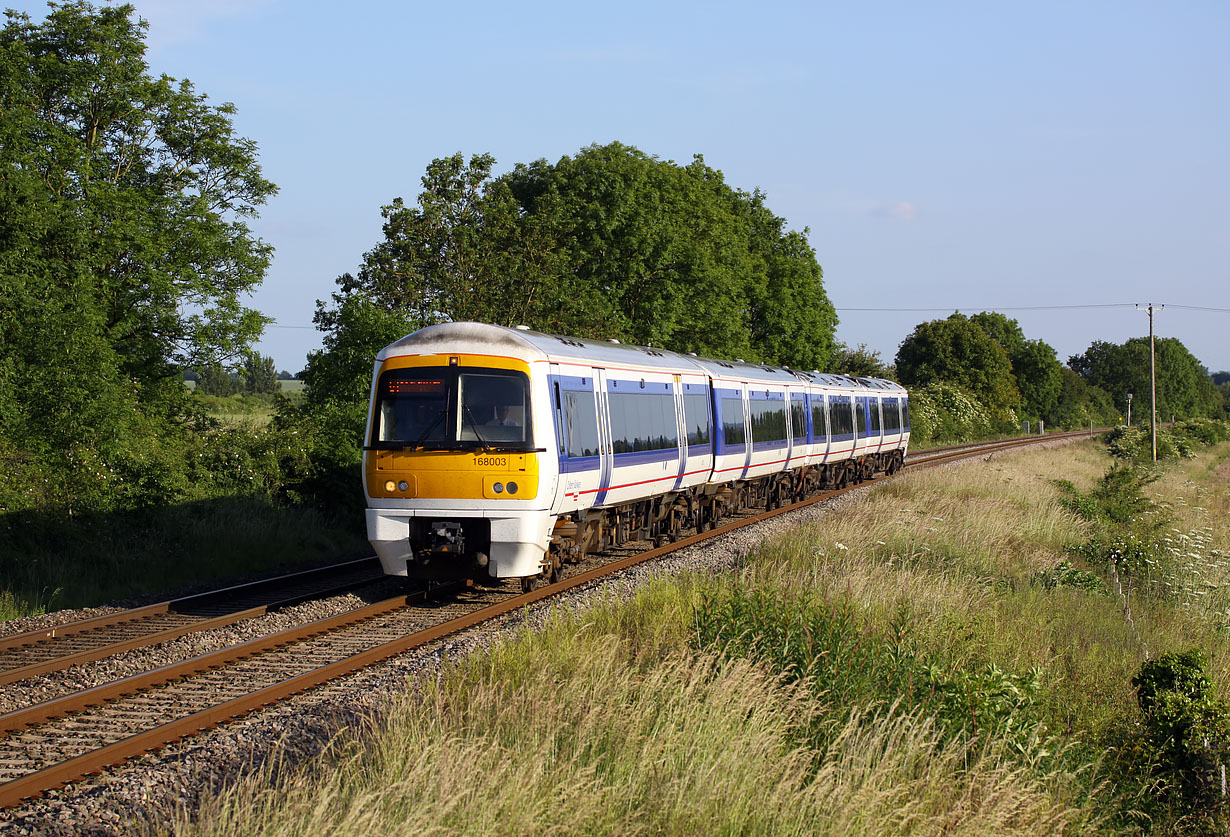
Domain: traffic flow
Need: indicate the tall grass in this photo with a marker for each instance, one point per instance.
(578, 730)
(934, 659)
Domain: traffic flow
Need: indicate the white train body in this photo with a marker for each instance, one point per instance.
(506, 452)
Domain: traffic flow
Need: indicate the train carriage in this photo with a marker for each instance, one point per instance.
(507, 453)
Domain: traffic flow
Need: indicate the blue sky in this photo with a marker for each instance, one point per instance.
(942, 155)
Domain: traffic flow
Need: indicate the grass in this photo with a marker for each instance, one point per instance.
(934, 659)
(610, 722)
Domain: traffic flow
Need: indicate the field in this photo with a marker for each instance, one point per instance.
(948, 655)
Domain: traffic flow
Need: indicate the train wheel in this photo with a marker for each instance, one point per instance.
(528, 584)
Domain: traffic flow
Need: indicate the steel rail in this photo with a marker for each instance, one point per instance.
(57, 775)
(127, 618)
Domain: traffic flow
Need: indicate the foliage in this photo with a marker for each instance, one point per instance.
(1184, 388)
(861, 362)
(1179, 441)
(957, 351)
(1081, 404)
(942, 412)
(214, 379)
(124, 248)
(1176, 752)
(609, 243)
(259, 373)
(1035, 367)
(853, 663)
(1066, 575)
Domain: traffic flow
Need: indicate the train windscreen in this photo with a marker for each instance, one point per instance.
(451, 408)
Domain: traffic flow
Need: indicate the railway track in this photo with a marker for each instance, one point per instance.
(54, 649)
(50, 744)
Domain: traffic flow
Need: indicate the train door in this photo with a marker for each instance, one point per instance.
(747, 429)
(605, 454)
(681, 431)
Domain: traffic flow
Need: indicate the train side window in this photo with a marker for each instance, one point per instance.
(873, 409)
(696, 418)
(580, 423)
(798, 415)
(842, 417)
(905, 413)
(768, 421)
(641, 422)
(732, 420)
(860, 417)
(892, 415)
(819, 418)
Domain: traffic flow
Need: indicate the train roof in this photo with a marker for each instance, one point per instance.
(530, 345)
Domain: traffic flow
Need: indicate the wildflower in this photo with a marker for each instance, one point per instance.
(841, 546)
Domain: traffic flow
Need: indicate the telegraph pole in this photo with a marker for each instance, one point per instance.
(1152, 373)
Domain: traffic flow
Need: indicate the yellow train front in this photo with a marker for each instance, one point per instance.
(453, 469)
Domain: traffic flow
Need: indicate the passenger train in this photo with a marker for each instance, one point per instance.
(507, 453)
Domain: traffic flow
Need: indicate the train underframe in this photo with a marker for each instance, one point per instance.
(664, 518)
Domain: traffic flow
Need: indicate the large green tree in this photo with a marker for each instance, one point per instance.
(124, 245)
(1184, 387)
(609, 243)
(958, 351)
(1035, 366)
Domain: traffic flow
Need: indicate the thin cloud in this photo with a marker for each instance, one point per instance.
(900, 210)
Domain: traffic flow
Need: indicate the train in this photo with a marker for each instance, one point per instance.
(506, 453)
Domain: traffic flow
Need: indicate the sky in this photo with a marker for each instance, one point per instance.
(942, 156)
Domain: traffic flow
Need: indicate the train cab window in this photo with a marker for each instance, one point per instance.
(580, 424)
(412, 406)
(732, 421)
(798, 416)
(447, 408)
(493, 408)
(696, 417)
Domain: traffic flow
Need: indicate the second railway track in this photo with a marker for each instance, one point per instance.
(50, 744)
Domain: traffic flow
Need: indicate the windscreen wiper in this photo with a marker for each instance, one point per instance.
(466, 414)
(430, 429)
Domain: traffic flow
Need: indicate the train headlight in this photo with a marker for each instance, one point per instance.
(498, 488)
(403, 485)
(512, 488)
(390, 485)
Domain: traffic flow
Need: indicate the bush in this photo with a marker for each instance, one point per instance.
(1175, 751)
(941, 412)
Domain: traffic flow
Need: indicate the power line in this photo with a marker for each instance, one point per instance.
(1013, 308)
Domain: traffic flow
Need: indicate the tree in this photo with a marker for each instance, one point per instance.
(861, 362)
(672, 256)
(1184, 387)
(1080, 403)
(124, 248)
(259, 374)
(1035, 366)
(215, 379)
(611, 243)
(958, 351)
